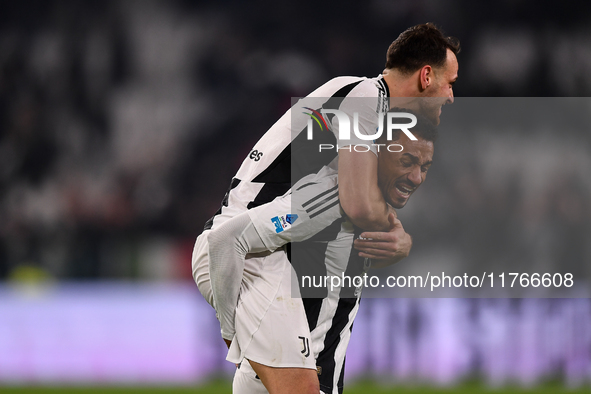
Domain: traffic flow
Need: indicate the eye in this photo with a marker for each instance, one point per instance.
(406, 164)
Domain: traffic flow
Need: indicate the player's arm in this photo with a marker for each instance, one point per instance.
(385, 248)
(359, 194)
(229, 244)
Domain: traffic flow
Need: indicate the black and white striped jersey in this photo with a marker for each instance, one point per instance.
(321, 248)
(284, 154)
(330, 311)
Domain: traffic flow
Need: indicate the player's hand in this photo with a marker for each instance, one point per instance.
(386, 247)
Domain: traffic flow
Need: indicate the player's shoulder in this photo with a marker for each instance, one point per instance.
(334, 85)
(370, 87)
(356, 87)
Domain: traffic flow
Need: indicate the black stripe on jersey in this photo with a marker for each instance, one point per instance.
(307, 258)
(303, 153)
(279, 171)
(324, 209)
(354, 268)
(312, 307)
(326, 358)
(300, 158)
(384, 97)
(308, 261)
(305, 157)
(327, 199)
(385, 86)
(310, 201)
(306, 185)
(347, 302)
(268, 193)
(233, 184)
(336, 100)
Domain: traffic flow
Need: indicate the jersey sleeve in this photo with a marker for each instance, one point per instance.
(310, 206)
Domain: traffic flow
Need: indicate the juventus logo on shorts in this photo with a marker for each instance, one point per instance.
(306, 349)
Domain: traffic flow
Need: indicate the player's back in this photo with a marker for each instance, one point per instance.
(270, 169)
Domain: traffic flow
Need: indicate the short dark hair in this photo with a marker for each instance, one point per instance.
(419, 46)
(424, 129)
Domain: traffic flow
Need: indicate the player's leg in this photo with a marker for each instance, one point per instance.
(272, 330)
(246, 381)
(287, 380)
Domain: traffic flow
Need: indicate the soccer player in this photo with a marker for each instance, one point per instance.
(328, 254)
(421, 63)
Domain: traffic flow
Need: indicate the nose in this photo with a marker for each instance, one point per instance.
(450, 98)
(415, 176)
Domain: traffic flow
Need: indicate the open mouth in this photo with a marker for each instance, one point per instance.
(404, 191)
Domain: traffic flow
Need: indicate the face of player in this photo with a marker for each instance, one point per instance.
(440, 89)
(401, 173)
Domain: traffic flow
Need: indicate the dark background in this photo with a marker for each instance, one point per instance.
(122, 122)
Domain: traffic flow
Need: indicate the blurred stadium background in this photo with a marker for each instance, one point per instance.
(122, 122)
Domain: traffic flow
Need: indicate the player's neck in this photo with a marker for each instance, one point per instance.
(401, 85)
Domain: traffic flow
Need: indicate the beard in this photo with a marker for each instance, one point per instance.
(430, 108)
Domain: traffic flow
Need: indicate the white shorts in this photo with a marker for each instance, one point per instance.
(271, 326)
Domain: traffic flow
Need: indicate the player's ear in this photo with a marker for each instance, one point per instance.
(425, 77)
